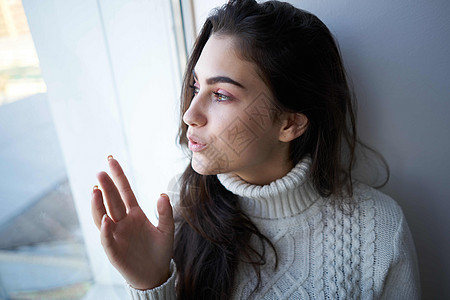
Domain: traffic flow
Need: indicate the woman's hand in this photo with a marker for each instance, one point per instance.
(140, 251)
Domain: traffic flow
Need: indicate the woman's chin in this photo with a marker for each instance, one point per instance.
(199, 167)
(206, 168)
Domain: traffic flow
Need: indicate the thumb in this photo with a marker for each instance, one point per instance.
(165, 222)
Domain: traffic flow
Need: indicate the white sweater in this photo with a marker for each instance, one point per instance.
(324, 252)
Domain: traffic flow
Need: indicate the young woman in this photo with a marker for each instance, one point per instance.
(268, 208)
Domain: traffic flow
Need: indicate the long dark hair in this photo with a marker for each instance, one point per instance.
(298, 59)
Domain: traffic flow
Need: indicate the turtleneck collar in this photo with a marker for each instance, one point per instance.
(282, 198)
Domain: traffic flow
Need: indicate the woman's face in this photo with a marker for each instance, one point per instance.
(231, 118)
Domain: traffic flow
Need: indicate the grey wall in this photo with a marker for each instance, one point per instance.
(397, 54)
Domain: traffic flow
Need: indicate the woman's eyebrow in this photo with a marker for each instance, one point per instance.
(218, 79)
(223, 79)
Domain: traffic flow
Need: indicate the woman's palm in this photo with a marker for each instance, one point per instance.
(140, 251)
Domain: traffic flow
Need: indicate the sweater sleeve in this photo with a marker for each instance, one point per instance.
(166, 291)
(402, 281)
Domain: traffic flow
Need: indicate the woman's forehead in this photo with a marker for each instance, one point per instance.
(220, 58)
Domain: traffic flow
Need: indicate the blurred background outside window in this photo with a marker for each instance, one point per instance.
(42, 253)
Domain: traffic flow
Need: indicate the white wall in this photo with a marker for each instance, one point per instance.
(113, 85)
(398, 56)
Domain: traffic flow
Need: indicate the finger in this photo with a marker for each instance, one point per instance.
(97, 206)
(106, 235)
(122, 182)
(165, 222)
(115, 204)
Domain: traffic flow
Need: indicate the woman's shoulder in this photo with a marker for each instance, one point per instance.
(377, 209)
(367, 197)
(368, 208)
(387, 243)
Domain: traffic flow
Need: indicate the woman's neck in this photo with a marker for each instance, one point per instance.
(284, 197)
(267, 171)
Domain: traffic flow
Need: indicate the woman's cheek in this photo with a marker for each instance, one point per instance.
(237, 137)
(215, 159)
(235, 149)
(238, 142)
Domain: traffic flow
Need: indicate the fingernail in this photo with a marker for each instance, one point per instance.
(164, 195)
(103, 218)
(94, 188)
(110, 157)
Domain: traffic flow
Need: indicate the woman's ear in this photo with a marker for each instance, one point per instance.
(293, 126)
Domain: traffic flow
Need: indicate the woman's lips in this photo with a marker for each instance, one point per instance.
(195, 145)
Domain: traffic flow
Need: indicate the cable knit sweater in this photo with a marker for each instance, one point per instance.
(324, 252)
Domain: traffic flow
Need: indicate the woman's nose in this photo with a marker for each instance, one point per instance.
(194, 115)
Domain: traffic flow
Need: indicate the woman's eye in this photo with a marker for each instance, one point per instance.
(195, 90)
(221, 97)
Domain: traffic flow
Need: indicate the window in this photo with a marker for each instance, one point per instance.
(112, 73)
(19, 65)
(42, 251)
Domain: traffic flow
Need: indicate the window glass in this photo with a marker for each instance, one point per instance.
(42, 253)
(19, 66)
